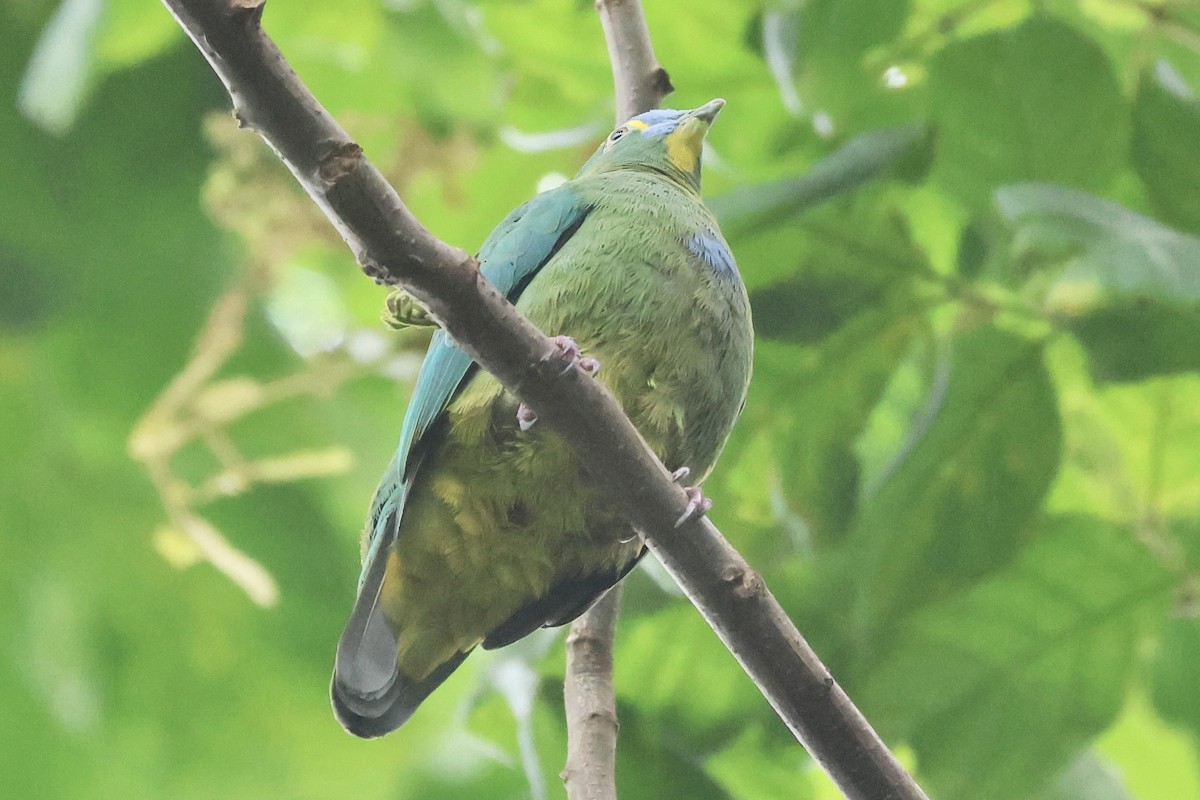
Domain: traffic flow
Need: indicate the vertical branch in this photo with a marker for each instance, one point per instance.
(641, 82)
(588, 694)
(591, 703)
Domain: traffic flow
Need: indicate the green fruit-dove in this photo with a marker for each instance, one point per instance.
(484, 527)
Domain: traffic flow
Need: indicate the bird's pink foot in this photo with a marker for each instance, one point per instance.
(568, 348)
(698, 505)
(525, 417)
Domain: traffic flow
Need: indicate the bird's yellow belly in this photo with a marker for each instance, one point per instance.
(495, 518)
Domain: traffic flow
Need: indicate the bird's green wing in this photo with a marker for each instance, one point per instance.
(365, 674)
(510, 257)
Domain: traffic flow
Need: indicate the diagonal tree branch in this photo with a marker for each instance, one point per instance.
(392, 247)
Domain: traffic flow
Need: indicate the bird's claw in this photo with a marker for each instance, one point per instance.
(681, 473)
(525, 417)
(404, 312)
(698, 505)
(569, 350)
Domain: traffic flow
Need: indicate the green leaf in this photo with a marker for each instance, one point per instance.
(998, 687)
(849, 27)
(836, 77)
(858, 161)
(959, 494)
(1035, 102)
(651, 755)
(1175, 675)
(1119, 252)
(860, 240)
(1129, 453)
(1166, 145)
(675, 670)
(819, 400)
(755, 768)
(1134, 341)
(1130, 289)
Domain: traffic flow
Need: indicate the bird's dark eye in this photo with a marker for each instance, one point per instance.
(617, 134)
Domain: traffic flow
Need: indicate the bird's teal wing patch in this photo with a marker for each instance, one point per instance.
(510, 257)
(708, 246)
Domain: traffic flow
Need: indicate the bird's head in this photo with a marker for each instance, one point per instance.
(663, 140)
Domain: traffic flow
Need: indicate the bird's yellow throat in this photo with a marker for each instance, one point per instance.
(685, 142)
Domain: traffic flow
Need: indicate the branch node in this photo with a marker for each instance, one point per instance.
(247, 12)
(337, 160)
(744, 582)
(376, 271)
(660, 79)
(606, 716)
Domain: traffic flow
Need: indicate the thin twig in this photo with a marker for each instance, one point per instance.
(159, 434)
(393, 247)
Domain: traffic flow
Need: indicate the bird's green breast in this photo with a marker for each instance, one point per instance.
(496, 516)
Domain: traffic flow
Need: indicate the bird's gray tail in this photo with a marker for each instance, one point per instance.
(370, 695)
(369, 717)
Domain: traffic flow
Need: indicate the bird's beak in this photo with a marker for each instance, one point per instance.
(708, 112)
(687, 140)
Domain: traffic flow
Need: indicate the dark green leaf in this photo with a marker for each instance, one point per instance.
(1131, 341)
(1035, 102)
(836, 76)
(756, 768)
(819, 399)
(958, 497)
(1176, 671)
(1166, 144)
(998, 687)
(860, 160)
(972, 251)
(1130, 289)
(677, 672)
(651, 756)
(1121, 253)
(849, 27)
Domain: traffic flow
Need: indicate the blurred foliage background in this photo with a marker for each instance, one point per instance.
(969, 466)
